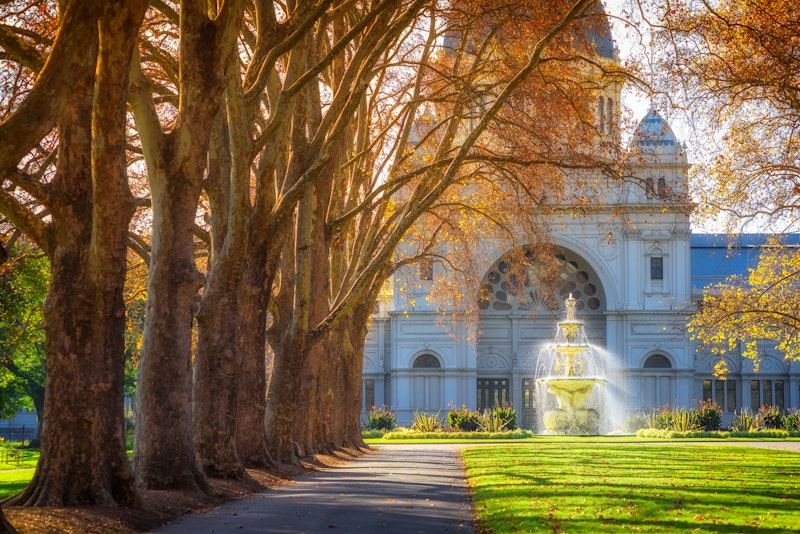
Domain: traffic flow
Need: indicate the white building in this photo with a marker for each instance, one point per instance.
(635, 281)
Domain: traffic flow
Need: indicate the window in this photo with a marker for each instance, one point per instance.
(657, 361)
(492, 392)
(656, 382)
(425, 269)
(767, 393)
(722, 392)
(427, 361)
(427, 383)
(662, 188)
(656, 268)
(601, 115)
(650, 191)
(528, 393)
(369, 394)
(610, 115)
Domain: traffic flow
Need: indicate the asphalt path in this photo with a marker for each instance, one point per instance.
(399, 489)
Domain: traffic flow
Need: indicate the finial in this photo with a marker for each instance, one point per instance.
(569, 304)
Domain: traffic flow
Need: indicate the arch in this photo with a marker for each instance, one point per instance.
(426, 360)
(601, 114)
(657, 361)
(662, 188)
(538, 280)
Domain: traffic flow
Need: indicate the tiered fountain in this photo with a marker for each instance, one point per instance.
(571, 371)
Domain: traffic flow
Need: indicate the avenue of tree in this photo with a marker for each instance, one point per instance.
(268, 162)
(272, 164)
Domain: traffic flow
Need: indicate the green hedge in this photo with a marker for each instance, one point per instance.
(717, 434)
(516, 434)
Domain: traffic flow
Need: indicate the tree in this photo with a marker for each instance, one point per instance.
(735, 68)
(81, 90)
(349, 229)
(739, 63)
(753, 310)
(175, 144)
(23, 286)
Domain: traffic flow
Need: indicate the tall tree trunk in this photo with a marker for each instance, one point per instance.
(83, 456)
(164, 453)
(251, 400)
(218, 362)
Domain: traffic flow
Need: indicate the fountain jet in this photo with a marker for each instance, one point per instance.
(569, 369)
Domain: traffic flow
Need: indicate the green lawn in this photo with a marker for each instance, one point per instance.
(14, 476)
(596, 487)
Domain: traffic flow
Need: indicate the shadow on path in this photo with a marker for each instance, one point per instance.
(399, 489)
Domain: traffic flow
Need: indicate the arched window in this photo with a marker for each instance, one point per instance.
(601, 115)
(649, 189)
(657, 361)
(427, 361)
(610, 115)
(657, 382)
(426, 383)
(662, 188)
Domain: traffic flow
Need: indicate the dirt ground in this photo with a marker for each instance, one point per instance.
(160, 507)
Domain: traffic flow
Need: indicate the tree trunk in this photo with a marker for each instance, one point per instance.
(251, 438)
(164, 452)
(164, 455)
(83, 457)
(218, 362)
(5, 526)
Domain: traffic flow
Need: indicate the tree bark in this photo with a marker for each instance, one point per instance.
(251, 400)
(164, 454)
(5, 526)
(218, 362)
(83, 457)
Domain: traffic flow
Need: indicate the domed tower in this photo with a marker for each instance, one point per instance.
(658, 161)
(597, 30)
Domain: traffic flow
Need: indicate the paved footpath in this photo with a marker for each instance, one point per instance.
(400, 489)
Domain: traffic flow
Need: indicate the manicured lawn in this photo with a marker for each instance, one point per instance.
(15, 476)
(594, 487)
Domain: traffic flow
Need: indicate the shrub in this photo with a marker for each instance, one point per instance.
(464, 420)
(744, 421)
(709, 415)
(492, 421)
(770, 417)
(792, 421)
(683, 420)
(380, 419)
(509, 415)
(424, 422)
(636, 421)
(661, 419)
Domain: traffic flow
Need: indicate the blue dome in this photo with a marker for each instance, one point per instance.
(597, 30)
(655, 142)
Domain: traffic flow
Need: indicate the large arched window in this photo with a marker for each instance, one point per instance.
(526, 283)
(657, 361)
(601, 115)
(426, 361)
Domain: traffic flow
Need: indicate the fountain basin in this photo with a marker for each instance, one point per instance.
(571, 392)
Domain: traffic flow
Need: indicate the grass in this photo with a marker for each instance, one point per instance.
(596, 487)
(14, 477)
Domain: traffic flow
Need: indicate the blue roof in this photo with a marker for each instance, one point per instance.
(717, 256)
(599, 31)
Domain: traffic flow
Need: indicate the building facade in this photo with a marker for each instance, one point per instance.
(636, 277)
